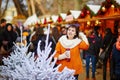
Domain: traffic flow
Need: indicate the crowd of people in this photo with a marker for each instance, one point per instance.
(68, 43)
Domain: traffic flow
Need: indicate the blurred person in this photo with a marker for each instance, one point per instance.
(112, 64)
(2, 28)
(118, 30)
(39, 35)
(27, 32)
(2, 23)
(55, 35)
(68, 50)
(36, 27)
(63, 30)
(98, 46)
(91, 54)
(107, 42)
(17, 30)
(115, 60)
(9, 37)
(99, 38)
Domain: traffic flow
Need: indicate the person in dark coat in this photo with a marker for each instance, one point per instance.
(91, 54)
(39, 35)
(108, 41)
(9, 37)
(115, 60)
(98, 37)
(99, 41)
(2, 27)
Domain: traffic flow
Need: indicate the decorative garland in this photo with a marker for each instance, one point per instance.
(106, 5)
(86, 11)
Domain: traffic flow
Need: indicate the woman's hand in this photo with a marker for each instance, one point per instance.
(65, 55)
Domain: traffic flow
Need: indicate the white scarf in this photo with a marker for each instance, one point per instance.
(66, 43)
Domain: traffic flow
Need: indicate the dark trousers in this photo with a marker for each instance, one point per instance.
(117, 77)
(104, 69)
(107, 57)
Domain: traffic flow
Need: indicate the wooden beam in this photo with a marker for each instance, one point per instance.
(102, 18)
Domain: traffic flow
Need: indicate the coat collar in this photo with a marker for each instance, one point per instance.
(69, 43)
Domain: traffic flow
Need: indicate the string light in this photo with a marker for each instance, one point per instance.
(112, 6)
(103, 9)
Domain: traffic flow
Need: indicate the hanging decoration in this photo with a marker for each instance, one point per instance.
(43, 21)
(75, 13)
(31, 20)
(69, 18)
(59, 19)
(63, 15)
(86, 11)
(54, 18)
(107, 5)
(49, 20)
(103, 9)
(94, 8)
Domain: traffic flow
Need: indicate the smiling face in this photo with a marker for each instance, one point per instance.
(71, 32)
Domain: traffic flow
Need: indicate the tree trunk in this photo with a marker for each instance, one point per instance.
(19, 8)
(60, 6)
(82, 3)
(41, 8)
(29, 8)
(3, 12)
(77, 5)
(0, 6)
(17, 5)
(32, 6)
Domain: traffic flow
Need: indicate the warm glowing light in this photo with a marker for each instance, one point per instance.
(97, 22)
(112, 6)
(88, 22)
(103, 9)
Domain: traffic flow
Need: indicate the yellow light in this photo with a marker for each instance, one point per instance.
(88, 22)
(103, 9)
(97, 22)
(112, 6)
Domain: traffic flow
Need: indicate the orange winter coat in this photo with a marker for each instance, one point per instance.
(75, 62)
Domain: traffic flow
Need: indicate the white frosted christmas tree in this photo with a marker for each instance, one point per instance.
(21, 65)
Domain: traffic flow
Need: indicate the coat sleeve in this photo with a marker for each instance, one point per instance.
(83, 45)
(58, 51)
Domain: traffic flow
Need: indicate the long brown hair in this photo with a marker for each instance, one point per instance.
(55, 33)
(38, 32)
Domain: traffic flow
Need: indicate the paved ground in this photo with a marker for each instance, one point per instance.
(98, 75)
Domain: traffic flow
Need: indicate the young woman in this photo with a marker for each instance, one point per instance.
(91, 54)
(68, 50)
